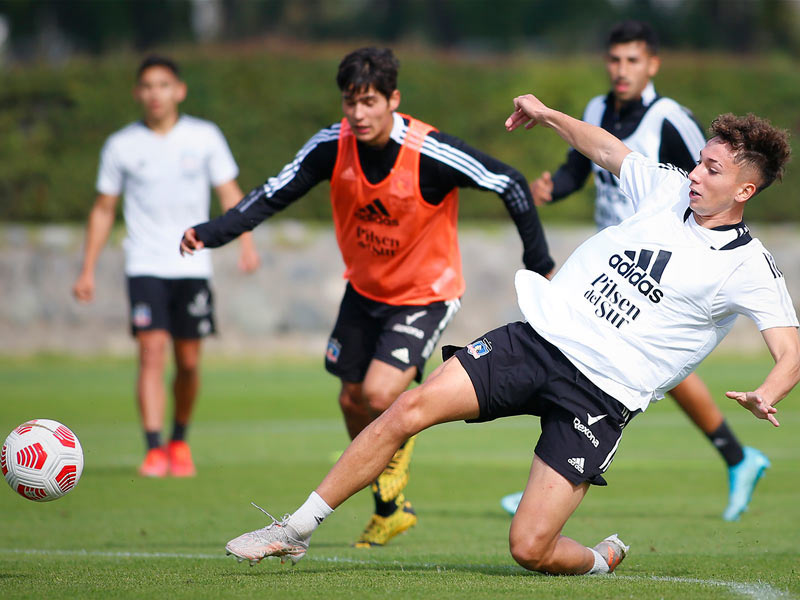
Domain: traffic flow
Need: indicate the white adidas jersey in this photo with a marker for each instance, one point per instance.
(166, 181)
(611, 205)
(639, 305)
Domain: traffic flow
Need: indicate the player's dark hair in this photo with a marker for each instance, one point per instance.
(367, 67)
(633, 31)
(158, 61)
(755, 144)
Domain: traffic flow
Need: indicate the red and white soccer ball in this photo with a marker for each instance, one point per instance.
(42, 460)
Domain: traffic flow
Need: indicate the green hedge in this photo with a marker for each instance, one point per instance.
(53, 120)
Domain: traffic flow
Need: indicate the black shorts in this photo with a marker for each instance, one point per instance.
(515, 372)
(184, 307)
(401, 336)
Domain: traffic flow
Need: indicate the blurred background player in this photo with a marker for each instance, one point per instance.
(164, 166)
(394, 190)
(662, 130)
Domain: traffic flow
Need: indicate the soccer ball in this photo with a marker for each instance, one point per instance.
(42, 460)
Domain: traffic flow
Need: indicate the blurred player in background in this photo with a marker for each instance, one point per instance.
(164, 166)
(394, 189)
(664, 131)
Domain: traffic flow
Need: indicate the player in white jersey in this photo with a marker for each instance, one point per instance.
(662, 130)
(164, 166)
(656, 293)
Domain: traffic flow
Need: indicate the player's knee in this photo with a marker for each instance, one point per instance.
(534, 552)
(408, 411)
(351, 401)
(378, 400)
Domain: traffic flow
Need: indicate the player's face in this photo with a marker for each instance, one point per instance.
(630, 67)
(718, 184)
(159, 92)
(369, 114)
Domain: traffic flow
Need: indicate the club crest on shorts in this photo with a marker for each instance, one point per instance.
(480, 348)
(141, 316)
(333, 351)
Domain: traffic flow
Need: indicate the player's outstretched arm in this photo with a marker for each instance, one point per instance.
(600, 146)
(229, 195)
(784, 345)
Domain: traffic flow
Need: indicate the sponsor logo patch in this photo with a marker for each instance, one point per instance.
(204, 327)
(376, 212)
(590, 420)
(333, 351)
(578, 463)
(576, 423)
(402, 355)
(480, 348)
(200, 306)
(411, 318)
(407, 329)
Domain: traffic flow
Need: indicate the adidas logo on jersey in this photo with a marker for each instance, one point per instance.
(641, 271)
(577, 463)
(376, 212)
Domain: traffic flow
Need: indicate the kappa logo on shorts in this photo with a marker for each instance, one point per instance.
(141, 315)
(480, 348)
(578, 463)
(333, 351)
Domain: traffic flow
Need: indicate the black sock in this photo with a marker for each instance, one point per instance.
(726, 443)
(179, 431)
(153, 439)
(384, 509)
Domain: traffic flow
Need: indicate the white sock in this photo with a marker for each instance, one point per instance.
(308, 517)
(600, 565)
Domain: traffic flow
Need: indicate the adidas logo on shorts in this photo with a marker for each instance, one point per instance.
(577, 463)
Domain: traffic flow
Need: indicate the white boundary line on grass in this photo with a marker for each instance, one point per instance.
(760, 591)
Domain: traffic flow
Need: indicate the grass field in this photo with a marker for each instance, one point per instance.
(268, 432)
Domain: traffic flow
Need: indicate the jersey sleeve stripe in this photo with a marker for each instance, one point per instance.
(475, 170)
(273, 184)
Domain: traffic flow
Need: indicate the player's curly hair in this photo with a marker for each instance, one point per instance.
(367, 67)
(755, 143)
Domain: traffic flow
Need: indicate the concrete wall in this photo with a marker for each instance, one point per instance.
(288, 306)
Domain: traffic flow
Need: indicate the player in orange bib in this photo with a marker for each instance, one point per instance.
(394, 191)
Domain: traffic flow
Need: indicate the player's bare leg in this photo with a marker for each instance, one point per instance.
(184, 387)
(152, 396)
(535, 537)
(447, 395)
(393, 515)
(696, 401)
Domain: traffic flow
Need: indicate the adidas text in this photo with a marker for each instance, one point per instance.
(636, 276)
(577, 463)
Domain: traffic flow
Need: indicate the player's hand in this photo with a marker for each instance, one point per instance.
(189, 243)
(249, 260)
(528, 110)
(83, 290)
(542, 189)
(756, 404)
